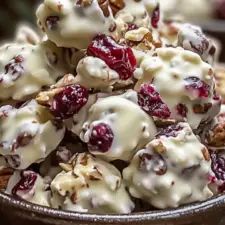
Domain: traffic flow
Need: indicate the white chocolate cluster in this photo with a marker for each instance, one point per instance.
(26, 68)
(88, 184)
(172, 170)
(192, 38)
(181, 69)
(29, 186)
(28, 135)
(121, 115)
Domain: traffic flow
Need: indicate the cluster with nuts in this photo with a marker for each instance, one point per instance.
(111, 104)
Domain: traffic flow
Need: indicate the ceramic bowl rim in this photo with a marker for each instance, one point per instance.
(169, 214)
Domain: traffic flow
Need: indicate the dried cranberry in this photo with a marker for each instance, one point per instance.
(132, 26)
(154, 162)
(101, 138)
(15, 67)
(197, 87)
(118, 57)
(151, 102)
(170, 131)
(69, 101)
(52, 22)
(182, 110)
(218, 167)
(155, 17)
(26, 183)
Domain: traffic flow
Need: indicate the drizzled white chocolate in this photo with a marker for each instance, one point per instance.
(171, 66)
(26, 68)
(38, 194)
(121, 115)
(75, 23)
(91, 185)
(171, 170)
(27, 134)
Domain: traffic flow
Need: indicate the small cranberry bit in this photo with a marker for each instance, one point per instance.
(218, 167)
(101, 138)
(154, 162)
(5, 110)
(216, 96)
(22, 140)
(52, 22)
(155, 17)
(170, 131)
(182, 110)
(15, 67)
(151, 102)
(118, 57)
(132, 26)
(26, 183)
(69, 101)
(197, 87)
(204, 43)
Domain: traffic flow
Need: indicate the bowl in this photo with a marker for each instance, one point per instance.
(17, 212)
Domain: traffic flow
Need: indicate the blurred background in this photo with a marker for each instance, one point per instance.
(210, 14)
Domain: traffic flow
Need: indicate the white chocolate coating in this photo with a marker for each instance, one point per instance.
(26, 35)
(192, 38)
(167, 72)
(37, 195)
(170, 171)
(27, 134)
(90, 185)
(134, 12)
(41, 65)
(94, 73)
(77, 24)
(122, 115)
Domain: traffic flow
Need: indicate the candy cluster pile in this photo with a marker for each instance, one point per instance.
(112, 110)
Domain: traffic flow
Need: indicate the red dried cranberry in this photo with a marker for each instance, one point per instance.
(182, 110)
(155, 17)
(15, 67)
(52, 22)
(197, 87)
(101, 138)
(69, 101)
(26, 183)
(170, 131)
(151, 102)
(118, 57)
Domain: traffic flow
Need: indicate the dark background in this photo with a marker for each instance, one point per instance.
(14, 11)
